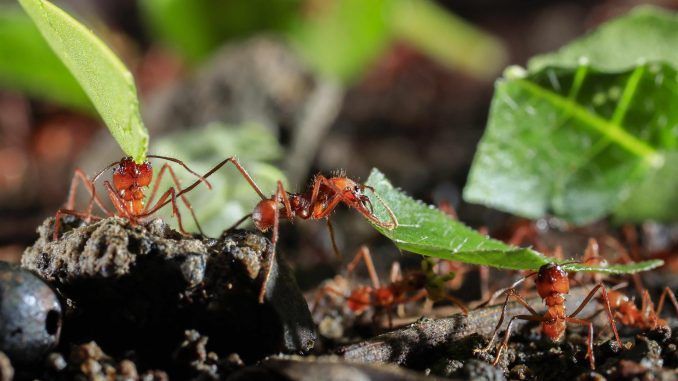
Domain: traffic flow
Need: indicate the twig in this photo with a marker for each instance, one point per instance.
(428, 335)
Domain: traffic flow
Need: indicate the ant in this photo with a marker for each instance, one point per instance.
(127, 192)
(647, 317)
(318, 202)
(322, 197)
(553, 285)
(424, 284)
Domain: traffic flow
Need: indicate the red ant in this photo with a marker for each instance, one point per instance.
(553, 285)
(318, 202)
(426, 283)
(646, 318)
(323, 196)
(128, 192)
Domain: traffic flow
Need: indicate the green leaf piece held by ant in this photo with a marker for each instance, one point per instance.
(425, 230)
(105, 79)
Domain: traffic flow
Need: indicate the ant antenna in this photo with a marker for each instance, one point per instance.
(498, 293)
(394, 220)
(202, 179)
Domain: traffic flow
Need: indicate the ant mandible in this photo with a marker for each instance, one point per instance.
(127, 193)
(424, 283)
(553, 285)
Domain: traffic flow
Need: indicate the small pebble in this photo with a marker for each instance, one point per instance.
(30, 315)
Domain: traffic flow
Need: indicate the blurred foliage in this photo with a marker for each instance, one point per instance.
(196, 28)
(105, 79)
(339, 38)
(231, 196)
(428, 231)
(588, 127)
(28, 64)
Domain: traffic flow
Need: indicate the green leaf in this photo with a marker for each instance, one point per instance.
(577, 138)
(447, 38)
(425, 230)
(231, 196)
(628, 268)
(342, 37)
(104, 78)
(646, 34)
(29, 65)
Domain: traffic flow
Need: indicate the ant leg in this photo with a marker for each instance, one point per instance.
(330, 228)
(510, 292)
(608, 309)
(274, 242)
(589, 342)
(62, 212)
(170, 194)
(626, 258)
(181, 163)
(364, 255)
(484, 275)
(177, 184)
(499, 292)
(239, 222)
(507, 335)
(118, 203)
(672, 297)
(458, 302)
(203, 178)
(78, 174)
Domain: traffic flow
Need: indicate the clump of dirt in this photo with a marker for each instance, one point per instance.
(140, 288)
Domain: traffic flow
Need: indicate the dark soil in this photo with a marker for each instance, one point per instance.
(146, 303)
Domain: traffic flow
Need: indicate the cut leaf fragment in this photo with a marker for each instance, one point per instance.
(428, 231)
(105, 79)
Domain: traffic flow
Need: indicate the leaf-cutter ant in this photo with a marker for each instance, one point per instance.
(128, 191)
(402, 289)
(553, 285)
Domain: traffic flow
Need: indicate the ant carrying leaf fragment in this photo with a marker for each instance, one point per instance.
(425, 230)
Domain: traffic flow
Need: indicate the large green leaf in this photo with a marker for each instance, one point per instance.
(425, 230)
(28, 64)
(576, 138)
(104, 78)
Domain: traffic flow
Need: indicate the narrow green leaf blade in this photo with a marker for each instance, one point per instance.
(425, 230)
(101, 74)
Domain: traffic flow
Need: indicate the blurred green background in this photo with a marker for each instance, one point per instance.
(290, 86)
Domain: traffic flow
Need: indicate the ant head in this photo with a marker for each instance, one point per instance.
(552, 279)
(263, 214)
(129, 175)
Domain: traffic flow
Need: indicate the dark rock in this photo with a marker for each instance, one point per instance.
(141, 287)
(30, 315)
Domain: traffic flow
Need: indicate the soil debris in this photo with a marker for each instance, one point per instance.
(142, 287)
